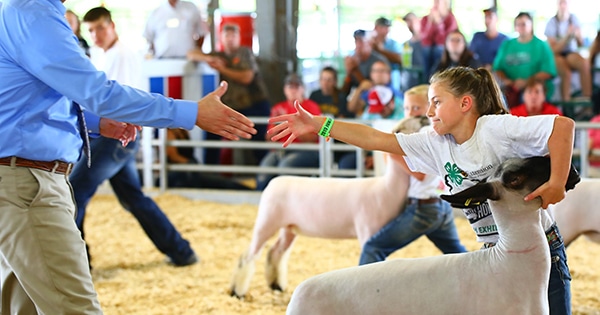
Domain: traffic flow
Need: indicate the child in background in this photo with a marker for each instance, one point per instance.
(534, 98)
(470, 138)
(330, 98)
(425, 213)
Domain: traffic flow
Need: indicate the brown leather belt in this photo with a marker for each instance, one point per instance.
(429, 201)
(57, 167)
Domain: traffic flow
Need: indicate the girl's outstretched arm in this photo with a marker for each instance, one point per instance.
(560, 145)
(302, 122)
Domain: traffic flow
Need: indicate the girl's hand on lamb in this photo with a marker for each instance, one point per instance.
(549, 193)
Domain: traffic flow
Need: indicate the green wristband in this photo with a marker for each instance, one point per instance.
(326, 128)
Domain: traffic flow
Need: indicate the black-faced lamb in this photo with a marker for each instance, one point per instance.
(509, 278)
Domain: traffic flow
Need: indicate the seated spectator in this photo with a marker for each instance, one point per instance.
(332, 101)
(294, 91)
(522, 58)
(534, 97)
(563, 32)
(192, 179)
(358, 65)
(330, 98)
(375, 98)
(246, 93)
(485, 45)
(456, 53)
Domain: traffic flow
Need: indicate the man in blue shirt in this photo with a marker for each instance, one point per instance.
(43, 267)
(485, 45)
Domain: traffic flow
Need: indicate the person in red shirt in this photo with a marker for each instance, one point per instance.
(534, 97)
(294, 91)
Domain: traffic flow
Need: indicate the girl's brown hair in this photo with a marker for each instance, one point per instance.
(478, 83)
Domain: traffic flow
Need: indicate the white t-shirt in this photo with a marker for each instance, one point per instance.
(120, 64)
(496, 139)
(431, 186)
(174, 31)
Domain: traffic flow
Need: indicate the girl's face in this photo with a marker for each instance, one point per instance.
(415, 105)
(444, 110)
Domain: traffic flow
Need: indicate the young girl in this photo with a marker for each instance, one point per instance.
(425, 214)
(470, 138)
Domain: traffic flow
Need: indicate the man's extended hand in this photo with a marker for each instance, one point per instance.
(218, 118)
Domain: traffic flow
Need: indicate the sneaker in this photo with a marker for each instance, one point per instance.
(192, 259)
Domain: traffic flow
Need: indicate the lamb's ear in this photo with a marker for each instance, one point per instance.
(573, 179)
(472, 196)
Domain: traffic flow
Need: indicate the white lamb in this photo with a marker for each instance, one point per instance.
(339, 208)
(578, 214)
(510, 278)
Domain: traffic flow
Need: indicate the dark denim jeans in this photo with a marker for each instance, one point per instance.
(110, 160)
(559, 287)
(435, 220)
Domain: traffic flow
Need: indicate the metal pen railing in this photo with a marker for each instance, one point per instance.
(326, 151)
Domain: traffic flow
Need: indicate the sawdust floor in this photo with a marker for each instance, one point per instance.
(131, 276)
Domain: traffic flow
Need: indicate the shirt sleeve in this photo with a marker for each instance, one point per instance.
(69, 72)
(419, 156)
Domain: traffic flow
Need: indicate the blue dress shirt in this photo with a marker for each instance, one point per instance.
(42, 70)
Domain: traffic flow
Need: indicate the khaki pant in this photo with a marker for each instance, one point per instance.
(43, 264)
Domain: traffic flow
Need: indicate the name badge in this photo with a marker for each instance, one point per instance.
(173, 23)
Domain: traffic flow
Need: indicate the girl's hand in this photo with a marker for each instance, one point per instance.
(549, 192)
(294, 125)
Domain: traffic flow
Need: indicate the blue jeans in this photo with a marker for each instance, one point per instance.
(110, 160)
(559, 287)
(285, 159)
(434, 220)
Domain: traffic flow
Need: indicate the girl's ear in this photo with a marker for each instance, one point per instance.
(466, 102)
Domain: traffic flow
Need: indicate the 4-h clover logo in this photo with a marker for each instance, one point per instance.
(454, 173)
